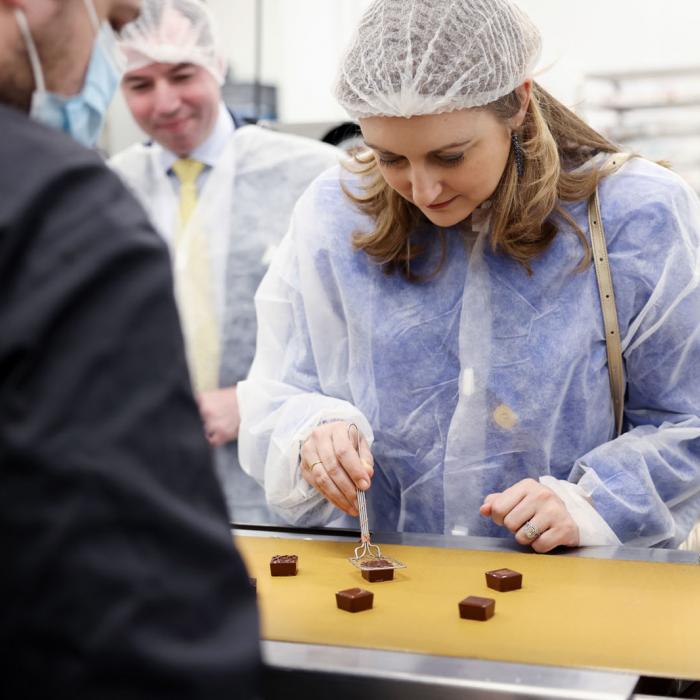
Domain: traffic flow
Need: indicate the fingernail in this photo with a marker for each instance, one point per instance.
(364, 484)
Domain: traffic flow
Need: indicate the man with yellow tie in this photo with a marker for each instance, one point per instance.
(221, 195)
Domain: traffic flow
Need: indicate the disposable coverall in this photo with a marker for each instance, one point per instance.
(244, 209)
(486, 375)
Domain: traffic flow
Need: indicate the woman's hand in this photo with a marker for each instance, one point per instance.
(534, 514)
(334, 464)
(219, 411)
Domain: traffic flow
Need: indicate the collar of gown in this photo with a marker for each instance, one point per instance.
(209, 151)
(481, 217)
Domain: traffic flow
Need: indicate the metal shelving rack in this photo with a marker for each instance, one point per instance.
(654, 112)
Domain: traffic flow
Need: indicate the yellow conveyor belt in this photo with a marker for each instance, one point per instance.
(641, 617)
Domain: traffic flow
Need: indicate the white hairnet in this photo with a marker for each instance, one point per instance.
(411, 57)
(173, 31)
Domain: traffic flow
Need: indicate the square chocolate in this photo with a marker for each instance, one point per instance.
(377, 570)
(476, 608)
(283, 565)
(504, 580)
(354, 599)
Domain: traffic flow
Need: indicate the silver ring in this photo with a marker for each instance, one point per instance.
(531, 531)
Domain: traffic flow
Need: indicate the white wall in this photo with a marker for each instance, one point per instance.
(303, 41)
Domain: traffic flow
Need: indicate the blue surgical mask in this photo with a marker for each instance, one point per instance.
(79, 115)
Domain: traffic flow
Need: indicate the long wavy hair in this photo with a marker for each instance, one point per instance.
(525, 212)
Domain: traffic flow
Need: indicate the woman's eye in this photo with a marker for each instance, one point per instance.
(388, 162)
(451, 161)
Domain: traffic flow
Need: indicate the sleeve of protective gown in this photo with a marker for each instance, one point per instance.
(296, 380)
(646, 483)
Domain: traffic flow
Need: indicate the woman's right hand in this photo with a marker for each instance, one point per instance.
(334, 464)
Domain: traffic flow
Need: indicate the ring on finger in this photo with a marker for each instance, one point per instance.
(310, 467)
(531, 531)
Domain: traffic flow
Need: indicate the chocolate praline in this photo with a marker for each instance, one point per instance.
(283, 565)
(504, 580)
(475, 607)
(354, 599)
(377, 570)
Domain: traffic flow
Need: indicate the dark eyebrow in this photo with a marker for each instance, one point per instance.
(136, 78)
(437, 150)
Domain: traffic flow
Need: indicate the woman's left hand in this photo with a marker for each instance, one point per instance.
(534, 514)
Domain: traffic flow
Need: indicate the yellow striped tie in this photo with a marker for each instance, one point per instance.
(193, 283)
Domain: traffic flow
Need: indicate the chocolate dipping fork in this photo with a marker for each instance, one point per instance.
(367, 552)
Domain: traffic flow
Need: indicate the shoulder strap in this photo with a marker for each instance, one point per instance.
(607, 303)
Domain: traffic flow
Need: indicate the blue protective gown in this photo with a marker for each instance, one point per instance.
(486, 375)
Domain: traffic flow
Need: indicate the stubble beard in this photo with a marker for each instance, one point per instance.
(16, 79)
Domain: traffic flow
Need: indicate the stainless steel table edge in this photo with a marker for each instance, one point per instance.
(623, 553)
(407, 675)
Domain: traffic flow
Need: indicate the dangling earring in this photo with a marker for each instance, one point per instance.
(518, 154)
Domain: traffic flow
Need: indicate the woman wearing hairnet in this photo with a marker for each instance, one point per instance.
(442, 299)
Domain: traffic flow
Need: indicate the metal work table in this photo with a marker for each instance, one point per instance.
(314, 671)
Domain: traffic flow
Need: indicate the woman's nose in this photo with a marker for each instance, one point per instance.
(425, 187)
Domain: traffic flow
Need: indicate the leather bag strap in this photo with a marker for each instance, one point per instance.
(607, 303)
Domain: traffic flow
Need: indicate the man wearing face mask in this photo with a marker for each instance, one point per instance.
(79, 114)
(119, 579)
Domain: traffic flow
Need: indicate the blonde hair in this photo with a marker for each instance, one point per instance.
(525, 212)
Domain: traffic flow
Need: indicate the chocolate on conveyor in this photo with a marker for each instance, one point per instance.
(504, 580)
(377, 570)
(354, 599)
(284, 565)
(477, 608)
